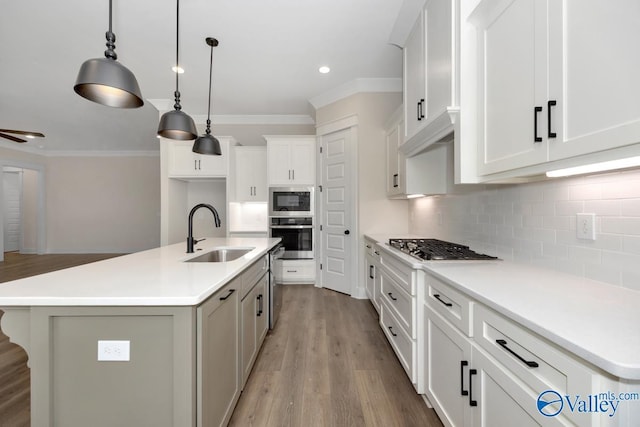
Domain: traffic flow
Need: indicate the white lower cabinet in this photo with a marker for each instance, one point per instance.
(295, 271)
(492, 374)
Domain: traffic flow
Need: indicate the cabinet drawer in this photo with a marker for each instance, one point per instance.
(404, 347)
(252, 274)
(451, 304)
(295, 271)
(404, 275)
(402, 304)
(536, 362)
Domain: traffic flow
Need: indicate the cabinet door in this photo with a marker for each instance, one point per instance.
(512, 65)
(262, 315)
(214, 165)
(438, 58)
(251, 174)
(183, 162)
(303, 162)
(279, 162)
(414, 79)
(594, 76)
(219, 356)
(448, 360)
(249, 349)
(502, 401)
(396, 178)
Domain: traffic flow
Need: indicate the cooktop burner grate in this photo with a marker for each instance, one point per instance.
(434, 249)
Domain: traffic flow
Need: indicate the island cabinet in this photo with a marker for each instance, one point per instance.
(255, 315)
(483, 369)
(218, 343)
(549, 88)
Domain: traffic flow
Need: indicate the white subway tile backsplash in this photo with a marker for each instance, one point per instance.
(535, 223)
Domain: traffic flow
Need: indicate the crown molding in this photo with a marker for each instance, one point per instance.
(78, 153)
(255, 119)
(356, 86)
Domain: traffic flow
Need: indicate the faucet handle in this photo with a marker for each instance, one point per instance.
(195, 241)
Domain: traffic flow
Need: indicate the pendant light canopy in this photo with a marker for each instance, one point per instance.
(106, 81)
(177, 124)
(207, 143)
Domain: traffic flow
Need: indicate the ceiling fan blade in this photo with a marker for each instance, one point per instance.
(12, 138)
(22, 132)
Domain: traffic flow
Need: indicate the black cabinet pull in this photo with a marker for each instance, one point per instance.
(259, 298)
(472, 402)
(376, 252)
(391, 330)
(418, 108)
(447, 304)
(391, 296)
(463, 363)
(503, 344)
(368, 246)
(395, 180)
(550, 104)
(371, 272)
(536, 138)
(227, 295)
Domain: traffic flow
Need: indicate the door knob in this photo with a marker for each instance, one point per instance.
(347, 232)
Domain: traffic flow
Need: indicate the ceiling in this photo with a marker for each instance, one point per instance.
(266, 64)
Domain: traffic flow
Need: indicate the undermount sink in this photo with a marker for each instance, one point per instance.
(221, 255)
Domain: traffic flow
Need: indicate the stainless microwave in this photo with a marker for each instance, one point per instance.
(291, 201)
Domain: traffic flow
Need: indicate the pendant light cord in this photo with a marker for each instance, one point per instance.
(177, 105)
(208, 130)
(111, 39)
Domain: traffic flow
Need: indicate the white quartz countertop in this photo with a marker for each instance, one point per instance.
(596, 321)
(156, 277)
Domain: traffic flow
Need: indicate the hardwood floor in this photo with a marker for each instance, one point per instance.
(14, 373)
(327, 363)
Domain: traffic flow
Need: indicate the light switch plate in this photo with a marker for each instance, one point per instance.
(586, 226)
(113, 351)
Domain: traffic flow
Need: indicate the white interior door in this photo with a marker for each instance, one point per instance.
(337, 213)
(11, 210)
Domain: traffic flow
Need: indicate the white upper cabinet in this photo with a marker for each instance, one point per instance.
(184, 163)
(430, 93)
(251, 174)
(291, 159)
(554, 81)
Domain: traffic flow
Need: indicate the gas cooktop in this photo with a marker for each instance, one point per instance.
(434, 249)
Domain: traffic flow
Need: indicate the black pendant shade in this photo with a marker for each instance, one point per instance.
(177, 124)
(207, 143)
(106, 81)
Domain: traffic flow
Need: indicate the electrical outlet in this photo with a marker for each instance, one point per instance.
(114, 351)
(586, 226)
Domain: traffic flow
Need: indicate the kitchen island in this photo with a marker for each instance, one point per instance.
(171, 334)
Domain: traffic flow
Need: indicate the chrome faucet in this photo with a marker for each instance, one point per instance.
(216, 218)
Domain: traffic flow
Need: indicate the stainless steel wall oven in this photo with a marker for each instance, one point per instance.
(296, 234)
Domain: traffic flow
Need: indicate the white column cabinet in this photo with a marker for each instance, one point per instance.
(291, 160)
(430, 76)
(251, 174)
(550, 86)
(372, 273)
(184, 163)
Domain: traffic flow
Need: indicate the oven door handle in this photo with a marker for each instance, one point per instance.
(291, 226)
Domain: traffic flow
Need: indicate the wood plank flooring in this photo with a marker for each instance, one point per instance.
(328, 363)
(14, 374)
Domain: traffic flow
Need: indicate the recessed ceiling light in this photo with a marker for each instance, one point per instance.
(29, 136)
(178, 70)
(324, 69)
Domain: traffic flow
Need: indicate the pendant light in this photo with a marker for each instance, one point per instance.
(207, 143)
(106, 81)
(176, 124)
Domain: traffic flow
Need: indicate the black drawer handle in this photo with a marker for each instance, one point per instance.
(536, 138)
(447, 304)
(227, 295)
(391, 296)
(503, 344)
(472, 402)
(550, 104)
(391, 330)
(395, 180)
(463, 363)
(371, 272)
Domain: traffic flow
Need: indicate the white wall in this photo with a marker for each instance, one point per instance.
(535, 223)
(29, 211)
